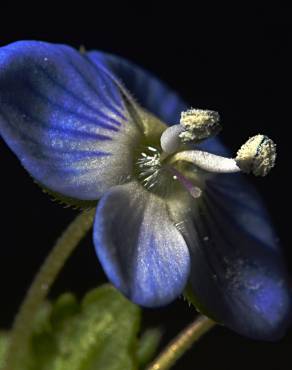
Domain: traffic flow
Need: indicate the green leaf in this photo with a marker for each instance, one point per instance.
(148, 346)
(100, 333)
(3, 347)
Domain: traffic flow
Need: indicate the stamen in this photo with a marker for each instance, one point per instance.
(170, 140)
(207, 161)
(257, 155)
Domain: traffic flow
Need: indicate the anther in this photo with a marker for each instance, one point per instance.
(195, 126)
(199, 124)
(257, 155)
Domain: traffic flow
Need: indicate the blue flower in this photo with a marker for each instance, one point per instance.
(76, 129)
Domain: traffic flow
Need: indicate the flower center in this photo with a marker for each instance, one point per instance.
(168, 163)
(157, 176)
(148, 167)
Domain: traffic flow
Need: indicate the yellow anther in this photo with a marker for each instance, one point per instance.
(257, 155)
(199, 124)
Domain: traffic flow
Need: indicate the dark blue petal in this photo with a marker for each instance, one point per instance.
(140, 249)
(64, 118)
(152, 94)
(238, 272)
(148, 90)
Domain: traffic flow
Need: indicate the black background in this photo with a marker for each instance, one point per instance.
(235, 60)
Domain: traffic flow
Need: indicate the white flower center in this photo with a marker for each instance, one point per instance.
(149, 167)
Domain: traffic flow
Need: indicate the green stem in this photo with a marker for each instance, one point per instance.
(22, 327)
(179, 345)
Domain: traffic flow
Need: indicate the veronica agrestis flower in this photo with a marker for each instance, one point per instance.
(171, 211)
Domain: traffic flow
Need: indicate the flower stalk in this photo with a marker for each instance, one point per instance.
(179, 345)
(41, 285)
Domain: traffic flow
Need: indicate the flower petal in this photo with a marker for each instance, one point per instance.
(65, 119)
(152, 94)
(140, 249)
(238, 274)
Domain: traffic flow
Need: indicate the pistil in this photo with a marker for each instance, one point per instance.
(195, 191)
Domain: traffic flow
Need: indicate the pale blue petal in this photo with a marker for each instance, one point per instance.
(141, 251)
(65, 119)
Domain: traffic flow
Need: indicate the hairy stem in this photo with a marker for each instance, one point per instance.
(39, 288)
(179, 345)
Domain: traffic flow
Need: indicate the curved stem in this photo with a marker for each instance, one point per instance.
(37, 292)
(179, 345)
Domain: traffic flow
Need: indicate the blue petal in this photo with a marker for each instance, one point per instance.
(238, 272)
(152, 94)
(140, 249)
(148, 90)
(65, 119)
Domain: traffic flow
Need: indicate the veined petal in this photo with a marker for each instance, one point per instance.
(65, 119)
(140, 249)
(152, 94)
(238, 273)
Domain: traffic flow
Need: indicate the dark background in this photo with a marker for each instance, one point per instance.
(234, 60)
